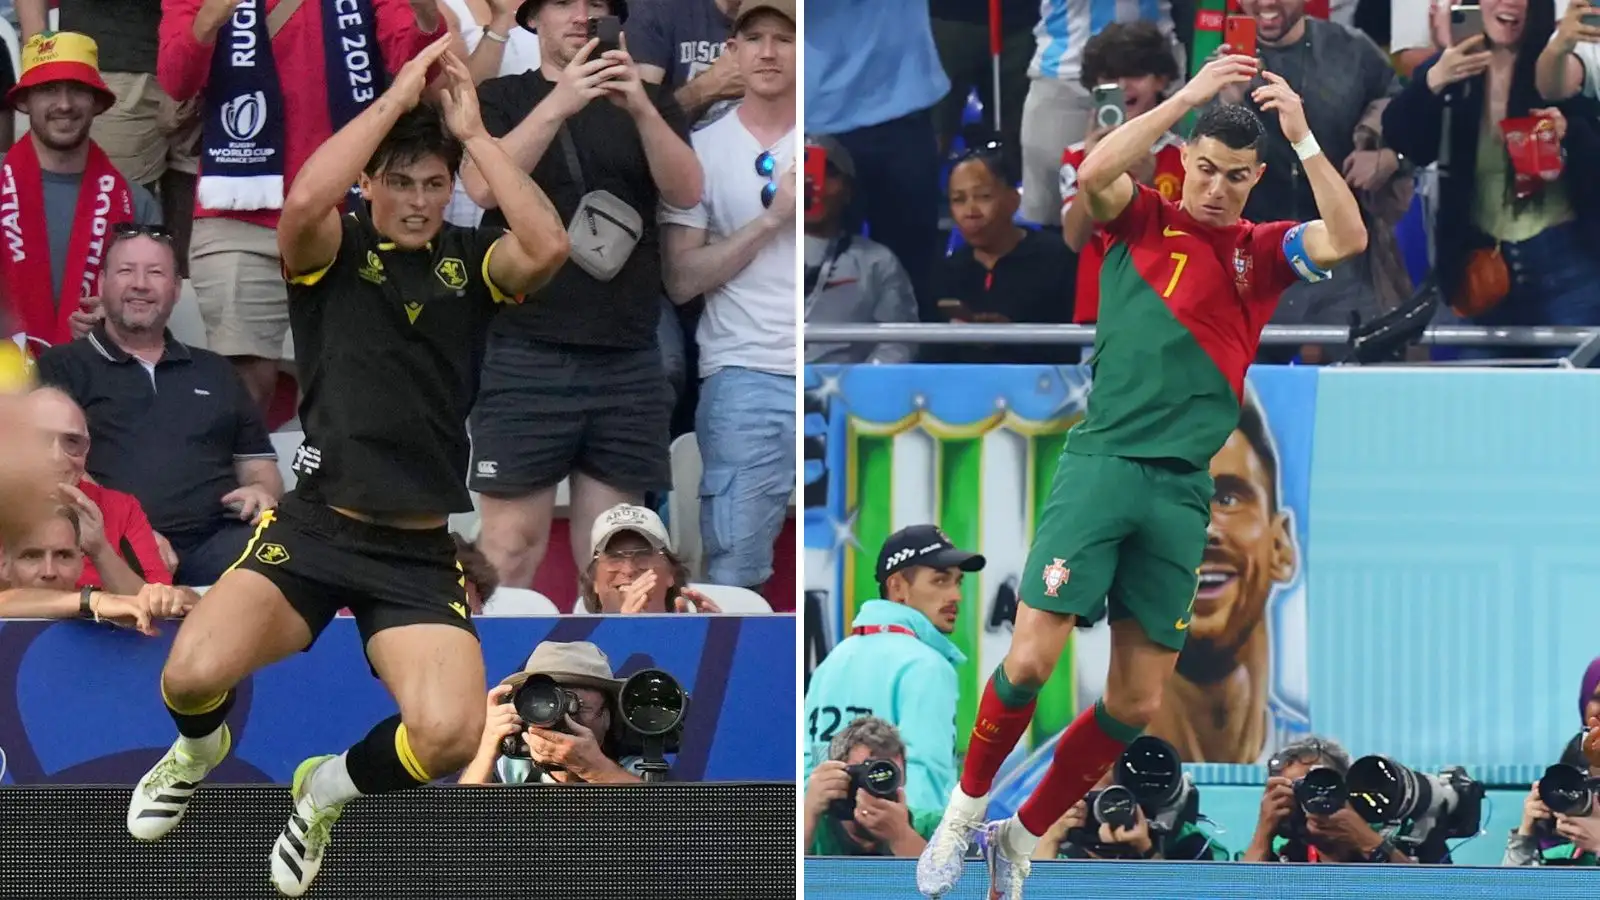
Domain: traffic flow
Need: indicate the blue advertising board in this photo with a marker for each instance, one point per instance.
(82, 704)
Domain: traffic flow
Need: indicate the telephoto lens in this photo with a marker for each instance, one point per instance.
(1321, 792)
(1151, 768)
(1115, 806)
(1382, 790)
(1566, 791)
(540, 703)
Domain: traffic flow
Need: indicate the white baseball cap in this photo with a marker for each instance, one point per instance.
(627, 517)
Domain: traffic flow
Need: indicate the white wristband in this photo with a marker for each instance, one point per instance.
(1307, 147)
(497, 38)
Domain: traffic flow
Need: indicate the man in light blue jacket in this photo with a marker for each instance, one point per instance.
(898, 663)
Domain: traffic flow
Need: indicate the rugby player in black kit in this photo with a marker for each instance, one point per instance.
(387, 311)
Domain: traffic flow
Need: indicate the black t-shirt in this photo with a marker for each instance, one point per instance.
(125, 30)
(1035, 282)
(388, 343)
(575, 308)
(1015, 15)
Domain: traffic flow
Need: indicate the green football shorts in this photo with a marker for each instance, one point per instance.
(1123, 534)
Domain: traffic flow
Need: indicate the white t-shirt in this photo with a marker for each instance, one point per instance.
(521, 55)
(750, 321)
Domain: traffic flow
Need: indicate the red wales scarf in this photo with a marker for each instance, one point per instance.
(104, 201)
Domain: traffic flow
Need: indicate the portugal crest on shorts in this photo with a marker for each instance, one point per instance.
(1055, 575)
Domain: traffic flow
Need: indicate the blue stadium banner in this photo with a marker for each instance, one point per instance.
(81, 704)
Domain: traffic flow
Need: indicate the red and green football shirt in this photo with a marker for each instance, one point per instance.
(1168, 181)
(1183, 308)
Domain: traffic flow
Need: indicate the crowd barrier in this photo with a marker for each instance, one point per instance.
(661, 841)
(840, 879)
(1440, 525)
(80, 704)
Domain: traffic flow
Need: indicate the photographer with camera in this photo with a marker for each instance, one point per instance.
(582, 745)
(1546, 837)
(1307, 814)
(855, 801)
(1144, 807)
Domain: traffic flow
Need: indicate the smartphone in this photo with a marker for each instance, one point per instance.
(1110, 105)
(1592, 20)
(816, 174)
(1465, 22)
(1239, 33)
(957, 310)
(609, 30)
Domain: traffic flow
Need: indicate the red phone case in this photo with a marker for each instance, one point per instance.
(1239, 33)
(816, 173)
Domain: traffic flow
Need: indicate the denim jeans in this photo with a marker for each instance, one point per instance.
(1555, 280)
(745, 429)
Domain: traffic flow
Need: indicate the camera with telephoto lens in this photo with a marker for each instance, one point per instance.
(1147, 776)
(1567, 791)
(653, 707)
(540, 703)
(879, 777)
(1320, 792)
(1447, 805)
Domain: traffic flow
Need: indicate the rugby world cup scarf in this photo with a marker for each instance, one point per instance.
(244, 127)
(104, 201)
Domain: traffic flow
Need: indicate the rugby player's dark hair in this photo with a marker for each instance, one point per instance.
(416, 135)
(1234, 125)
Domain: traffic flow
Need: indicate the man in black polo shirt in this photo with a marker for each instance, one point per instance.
(573, 383)
(169, 423)
(387, 312)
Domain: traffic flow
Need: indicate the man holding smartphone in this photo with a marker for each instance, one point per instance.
(572, 381)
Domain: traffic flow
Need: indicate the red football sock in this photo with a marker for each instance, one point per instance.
(1086, 750)
(995, 732)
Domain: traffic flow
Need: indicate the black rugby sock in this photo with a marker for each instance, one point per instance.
(383, 762)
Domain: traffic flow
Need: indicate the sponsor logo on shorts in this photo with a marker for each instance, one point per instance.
(460, 609)
(488, 468)
(1056, 575)
(272, 554)
(413, 309)
(307, 459)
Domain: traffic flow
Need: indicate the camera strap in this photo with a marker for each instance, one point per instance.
(882, 629)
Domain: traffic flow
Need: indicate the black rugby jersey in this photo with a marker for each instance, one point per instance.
(387, 343)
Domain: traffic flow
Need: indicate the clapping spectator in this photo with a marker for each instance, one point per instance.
(635, 569)
(737, 247)
(68, 193)
(872, 77)
(169, 423)
(850, 278)
(1004, 272)
(113, 541)
(572, 384)
(1513, 244)
(154, 601)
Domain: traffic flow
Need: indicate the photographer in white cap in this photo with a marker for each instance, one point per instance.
(582, 750)
(635, 569)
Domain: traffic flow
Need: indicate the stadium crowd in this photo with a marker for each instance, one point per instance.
(636, 412)
(1467, 139)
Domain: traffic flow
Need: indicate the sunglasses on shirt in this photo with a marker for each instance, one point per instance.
(767, 167)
